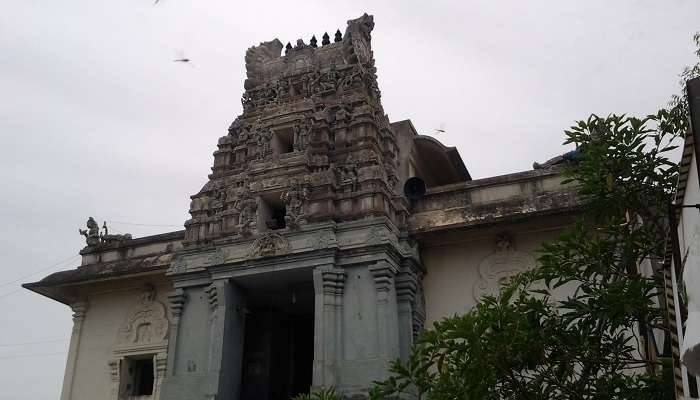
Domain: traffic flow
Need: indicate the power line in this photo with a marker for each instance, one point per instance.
(32, 355)
(29, 343)
(12, 292)
(138, 224)
(64, 261)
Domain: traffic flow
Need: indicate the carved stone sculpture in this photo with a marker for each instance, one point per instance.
(93, 237)
(301, 136)
(269, 244)
(294, 198)
(282, 88)
(218, 202)
(329, 80)
(343, 115)
(264, 140)
(108, 238)
(357, 39)
(92, 233)
(347, 173)
(246, 205)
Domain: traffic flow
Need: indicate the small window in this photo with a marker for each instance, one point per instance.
(277, 220)
(137, 378)
(283, 141)
(272, 212)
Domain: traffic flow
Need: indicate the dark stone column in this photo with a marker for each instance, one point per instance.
(205, 349)
(328, 288)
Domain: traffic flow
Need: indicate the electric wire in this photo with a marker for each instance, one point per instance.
(140, 224)
(30, 343)
(32, 355)
(54, 265)
(12, 292)
(70, 259)
(61, 263)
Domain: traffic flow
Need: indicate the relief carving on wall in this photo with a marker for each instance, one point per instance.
(146, 322)
(324, 240)
(247, 208)
(504, 263)
(269, 244)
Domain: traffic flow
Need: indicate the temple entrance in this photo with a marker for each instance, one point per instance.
(279, 336)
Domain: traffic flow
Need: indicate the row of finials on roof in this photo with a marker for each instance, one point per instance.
(314, 42)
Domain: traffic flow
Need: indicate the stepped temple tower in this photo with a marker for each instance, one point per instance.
(325, 238)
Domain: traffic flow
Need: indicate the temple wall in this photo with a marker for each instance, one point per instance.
(458, 271)
(99, 339)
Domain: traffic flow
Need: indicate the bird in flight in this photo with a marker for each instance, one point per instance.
(181, 58)
(441, 129)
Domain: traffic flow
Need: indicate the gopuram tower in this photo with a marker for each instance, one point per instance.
(296, 269)
(323, 240)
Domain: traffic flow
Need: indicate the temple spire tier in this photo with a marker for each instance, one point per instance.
(312, 125)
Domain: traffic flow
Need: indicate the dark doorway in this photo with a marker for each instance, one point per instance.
(279, 345)
(136, 376)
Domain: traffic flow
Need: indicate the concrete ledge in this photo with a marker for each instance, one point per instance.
(493, 200)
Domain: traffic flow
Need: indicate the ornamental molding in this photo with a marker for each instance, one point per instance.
(178, 266)
(505, 262)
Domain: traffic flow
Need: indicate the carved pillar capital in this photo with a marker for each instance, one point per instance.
(333, 281)
(79, 309)
(383, 274)
(177, 302)
(213, 296)
(406, 286)
(161, 365)
(411, 306)
(113, 367)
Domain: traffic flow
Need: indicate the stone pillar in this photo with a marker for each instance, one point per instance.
(205, 349)
(79, 309)
(328, 288)
(383, 275)
(227, 331)
(177, 302)
(406, 288)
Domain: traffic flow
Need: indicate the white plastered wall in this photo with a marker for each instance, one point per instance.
(689, 243)
(453, 269)
(107, 306)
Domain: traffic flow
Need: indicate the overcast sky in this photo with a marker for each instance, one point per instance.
(97, 120)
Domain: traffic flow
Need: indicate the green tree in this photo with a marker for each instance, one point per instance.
(532, 342)
(321, 394)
